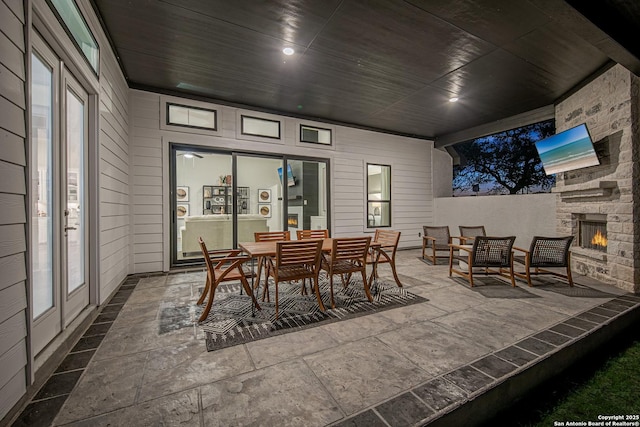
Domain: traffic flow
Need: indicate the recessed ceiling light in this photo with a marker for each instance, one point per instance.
(288, 51)
(454, 99)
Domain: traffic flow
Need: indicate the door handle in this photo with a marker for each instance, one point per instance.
(69, 228)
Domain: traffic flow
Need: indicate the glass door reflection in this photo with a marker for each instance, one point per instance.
(204, 204)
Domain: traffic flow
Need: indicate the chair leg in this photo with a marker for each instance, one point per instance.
(450, 261)
(316, 287)
(259, 273)
(333, 304)
(527, 270)
(367, 291)
(528, 273)
(205, 312)
(206, 290)
(569, 278)
(248, 290)
(265, 291)
(395, 275)
(277, 300)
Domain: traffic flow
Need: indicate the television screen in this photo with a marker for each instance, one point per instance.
(567, 150)
(290, 179)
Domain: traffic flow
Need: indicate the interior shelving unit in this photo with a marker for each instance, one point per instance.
(218, 200)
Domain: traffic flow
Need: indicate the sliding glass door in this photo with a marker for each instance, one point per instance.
(258, 178)
(226, 197)
(307, 195)
(202, 203)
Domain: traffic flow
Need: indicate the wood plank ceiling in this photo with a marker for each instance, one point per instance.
(389, 65)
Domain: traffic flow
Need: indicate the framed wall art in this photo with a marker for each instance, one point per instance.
(182, 210)
(264, 196)
(265, 210)
(182, 194)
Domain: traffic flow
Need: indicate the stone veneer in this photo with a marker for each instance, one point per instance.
(609, 105)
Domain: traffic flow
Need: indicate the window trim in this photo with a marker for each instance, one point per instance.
(242, 131)
(168, 121)
(302, 125)
(63, 23)
(385, 201)
(189, 103)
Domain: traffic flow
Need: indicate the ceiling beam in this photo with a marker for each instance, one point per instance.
(534, 116)
(576, 17)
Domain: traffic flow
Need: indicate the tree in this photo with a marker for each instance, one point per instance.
(504, 162)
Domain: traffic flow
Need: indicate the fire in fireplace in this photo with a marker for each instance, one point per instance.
(593, 235)
(292, 220)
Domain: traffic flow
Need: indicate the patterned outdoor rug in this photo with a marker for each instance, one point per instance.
(231, 321)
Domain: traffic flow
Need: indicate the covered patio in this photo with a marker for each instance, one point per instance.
(457, 357)
(389, 85)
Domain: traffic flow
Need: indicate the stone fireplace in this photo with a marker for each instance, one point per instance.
(597, 204)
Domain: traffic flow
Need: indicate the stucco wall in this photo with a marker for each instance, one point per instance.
(523, 216)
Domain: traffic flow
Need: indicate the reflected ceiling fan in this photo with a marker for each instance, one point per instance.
(190, 155)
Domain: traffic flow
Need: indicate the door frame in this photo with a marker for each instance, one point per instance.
(44, 29)
(170, 183)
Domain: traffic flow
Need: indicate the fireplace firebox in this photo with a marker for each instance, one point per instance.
(592, 233)
(292, 220)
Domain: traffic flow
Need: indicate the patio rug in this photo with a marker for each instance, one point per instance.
(231, 321)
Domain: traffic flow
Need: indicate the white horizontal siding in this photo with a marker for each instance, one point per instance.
(411, 186)
(146, 186)
(114, 164)
(13, 284)
(410, 159)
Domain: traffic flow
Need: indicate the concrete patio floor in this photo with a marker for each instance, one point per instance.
(456, 356)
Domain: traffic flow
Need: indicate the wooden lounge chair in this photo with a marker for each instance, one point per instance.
(434, 239)
(493, 254)
(469, 232)
(543, 253)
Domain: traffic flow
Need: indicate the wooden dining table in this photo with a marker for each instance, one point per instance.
(268, 249)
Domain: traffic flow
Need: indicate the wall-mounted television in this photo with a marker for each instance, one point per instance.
(291, 181)
(567, 150)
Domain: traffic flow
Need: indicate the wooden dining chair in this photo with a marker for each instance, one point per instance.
(222, 266)
(264, 236)
(312, 234)
(348, 256)
(383, 250)
(295, 260)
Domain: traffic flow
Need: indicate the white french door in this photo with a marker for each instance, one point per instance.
(58, 159)
(74, 253)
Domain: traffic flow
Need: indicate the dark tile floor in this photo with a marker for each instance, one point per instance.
(46, 404)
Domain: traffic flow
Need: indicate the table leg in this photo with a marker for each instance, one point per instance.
(374, 272)
(253, 290)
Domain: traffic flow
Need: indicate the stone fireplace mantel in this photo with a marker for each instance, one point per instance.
(587, 190)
